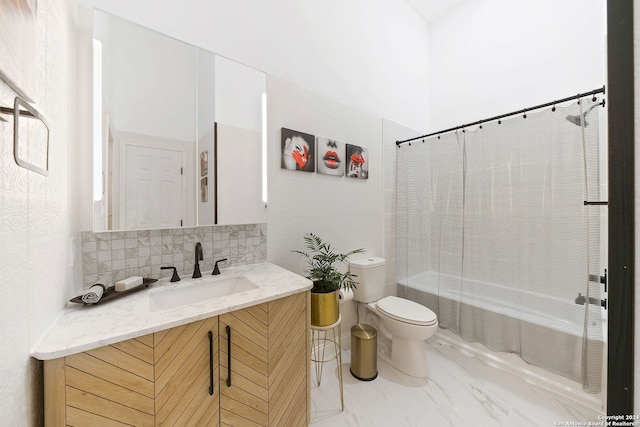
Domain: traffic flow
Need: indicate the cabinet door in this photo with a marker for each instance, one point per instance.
(244, 368)
(289, 361)
(111, 385)
(265, 364)
(186, 375)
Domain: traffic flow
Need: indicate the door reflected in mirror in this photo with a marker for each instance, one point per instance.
(177, 135)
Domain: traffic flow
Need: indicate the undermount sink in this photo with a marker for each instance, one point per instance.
(199, 290)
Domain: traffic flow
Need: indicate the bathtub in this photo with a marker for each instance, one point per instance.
(483, 312)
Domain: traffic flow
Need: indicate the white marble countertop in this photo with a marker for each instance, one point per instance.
(84, 327)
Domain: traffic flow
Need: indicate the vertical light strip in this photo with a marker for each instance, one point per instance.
(264, 148)
(97, 121)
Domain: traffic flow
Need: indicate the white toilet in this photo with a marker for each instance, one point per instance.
(403, 324)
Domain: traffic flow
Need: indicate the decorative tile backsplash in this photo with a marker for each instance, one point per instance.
(112, 256)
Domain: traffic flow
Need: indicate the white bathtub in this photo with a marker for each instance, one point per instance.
(545, 331)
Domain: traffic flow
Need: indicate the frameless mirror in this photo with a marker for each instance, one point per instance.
(177, 132)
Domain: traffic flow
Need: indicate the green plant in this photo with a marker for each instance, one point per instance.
(324, 265)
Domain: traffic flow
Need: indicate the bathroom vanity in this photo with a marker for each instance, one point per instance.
(238, 359)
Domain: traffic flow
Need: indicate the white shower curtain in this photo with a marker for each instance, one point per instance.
(494, 236)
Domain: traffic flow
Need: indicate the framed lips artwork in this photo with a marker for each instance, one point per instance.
(298, 151)
(308, 153)
(330, 156)
(357, 162)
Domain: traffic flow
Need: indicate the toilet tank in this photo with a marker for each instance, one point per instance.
(370, 280)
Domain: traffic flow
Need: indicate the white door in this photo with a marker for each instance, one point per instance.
(153, 188)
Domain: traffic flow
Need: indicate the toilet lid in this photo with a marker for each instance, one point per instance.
(407, 311)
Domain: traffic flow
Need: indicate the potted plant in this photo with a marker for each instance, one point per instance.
(324, 271)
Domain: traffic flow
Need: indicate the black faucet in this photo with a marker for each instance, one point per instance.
(582, 300)
(199, 257)
(174, 277)
(216, 270)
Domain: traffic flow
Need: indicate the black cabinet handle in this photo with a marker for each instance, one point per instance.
(228, 356)
(210, 363)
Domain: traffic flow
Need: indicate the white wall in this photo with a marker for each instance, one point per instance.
(368, 54)
(346, 212)
(38, 216)
(490, 57)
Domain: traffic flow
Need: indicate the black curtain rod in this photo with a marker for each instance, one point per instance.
(502, 116)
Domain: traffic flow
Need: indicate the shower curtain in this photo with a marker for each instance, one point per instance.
(495, 218)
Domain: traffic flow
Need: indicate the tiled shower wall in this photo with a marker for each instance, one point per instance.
(112, 256)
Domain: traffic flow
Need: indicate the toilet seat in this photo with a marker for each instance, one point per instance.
(407, 311)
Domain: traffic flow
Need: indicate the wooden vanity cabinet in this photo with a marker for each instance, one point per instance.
(179, 376)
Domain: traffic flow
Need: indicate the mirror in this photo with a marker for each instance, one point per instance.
(177, 132)
(237, 139)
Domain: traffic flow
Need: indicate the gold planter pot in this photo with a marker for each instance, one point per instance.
(324, 308)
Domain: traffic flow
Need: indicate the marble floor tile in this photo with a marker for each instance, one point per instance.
(462, 390)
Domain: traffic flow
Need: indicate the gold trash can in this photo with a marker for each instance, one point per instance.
(364, 356)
